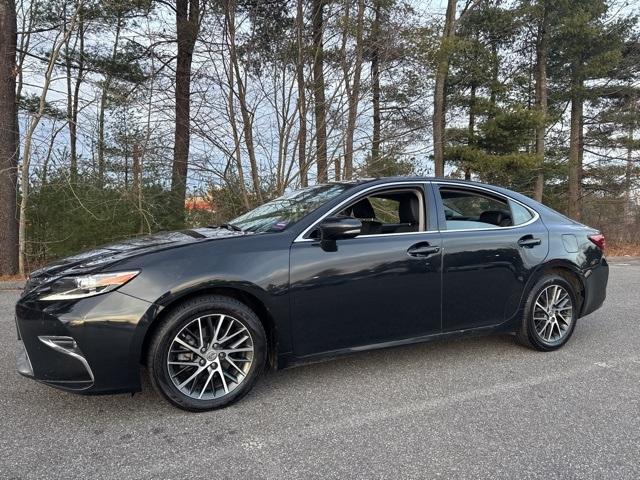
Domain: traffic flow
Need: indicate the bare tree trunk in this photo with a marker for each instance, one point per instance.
(101, 141)
(575, 157)
(28, 139)
(320, 108)
(23, 47)
(44, 175)
(73, 164)
(73, 121)
(442, 72)
(104, 97)
(137, 184)
(472, 126)
(354, 93)
(493, 90)
(627, 178)
(541, 100)
(126, 157)
(187, 27)
(237, 153)
(285, 120)
(9, 139)
(375, 85)
(73, 93)
(302, 97)
(346, 72)
(247, 116)
(628, 183)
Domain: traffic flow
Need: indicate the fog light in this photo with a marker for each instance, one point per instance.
(68, 346)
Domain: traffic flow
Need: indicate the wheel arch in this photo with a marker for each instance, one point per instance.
(237, 293)
(567, 270)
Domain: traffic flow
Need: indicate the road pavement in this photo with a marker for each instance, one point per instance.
(470, 408)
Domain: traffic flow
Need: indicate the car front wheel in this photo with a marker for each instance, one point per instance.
(207, 353)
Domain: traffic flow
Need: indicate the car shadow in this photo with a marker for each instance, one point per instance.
(325, 379)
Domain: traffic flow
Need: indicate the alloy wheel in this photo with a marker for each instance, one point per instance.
(210, 356)
(553, 314)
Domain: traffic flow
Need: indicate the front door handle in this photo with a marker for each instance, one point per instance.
(529, 241)
(422, 249)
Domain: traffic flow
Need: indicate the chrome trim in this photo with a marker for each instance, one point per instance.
(535, 217)
(23, 362)
(378, 235)
(74, 351)
(300, 238)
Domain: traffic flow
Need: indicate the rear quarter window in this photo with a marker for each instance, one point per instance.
(519, 213)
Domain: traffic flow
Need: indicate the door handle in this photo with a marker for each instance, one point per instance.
(422, 249)
(529, 241)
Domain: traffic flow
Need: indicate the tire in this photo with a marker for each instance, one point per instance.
(534, 320)
(176, 353)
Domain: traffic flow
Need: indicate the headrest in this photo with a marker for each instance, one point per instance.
(409, 210)
(363, 209)
(494, 217)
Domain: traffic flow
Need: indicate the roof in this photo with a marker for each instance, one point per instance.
(412, 178)
(381, 180)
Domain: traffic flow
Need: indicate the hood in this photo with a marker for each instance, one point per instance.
(101, 257)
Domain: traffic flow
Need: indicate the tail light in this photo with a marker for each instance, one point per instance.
(599, 241)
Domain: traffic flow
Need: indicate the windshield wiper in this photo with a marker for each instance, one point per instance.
(228, 226)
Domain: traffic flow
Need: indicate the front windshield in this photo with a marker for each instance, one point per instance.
(283, 212)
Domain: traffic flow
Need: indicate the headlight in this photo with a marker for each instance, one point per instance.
(68, 288)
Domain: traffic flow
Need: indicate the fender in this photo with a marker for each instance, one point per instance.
(559, 263)
(258, 299)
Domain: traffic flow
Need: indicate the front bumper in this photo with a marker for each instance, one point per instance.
(59, 361)
(88, 346)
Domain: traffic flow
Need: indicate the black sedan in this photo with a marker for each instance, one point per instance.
(319, 272)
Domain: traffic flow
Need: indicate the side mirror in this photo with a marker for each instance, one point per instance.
(336, 228)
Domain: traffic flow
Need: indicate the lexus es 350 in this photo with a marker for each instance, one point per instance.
(322, 271)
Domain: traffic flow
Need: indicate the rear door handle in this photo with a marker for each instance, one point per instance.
(422, 249)
(529, 241)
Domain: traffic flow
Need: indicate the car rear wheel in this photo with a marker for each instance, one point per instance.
(550, 314)
(207, 354)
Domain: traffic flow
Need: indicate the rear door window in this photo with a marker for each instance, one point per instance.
(469, 209)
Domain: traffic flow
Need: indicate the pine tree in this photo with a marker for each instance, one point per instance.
(495, 144)
(587, 48)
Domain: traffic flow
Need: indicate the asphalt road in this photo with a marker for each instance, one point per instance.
(472, 408)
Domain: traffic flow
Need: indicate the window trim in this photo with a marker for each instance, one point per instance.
(422, 221)
(534, 214)
(423, 203)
